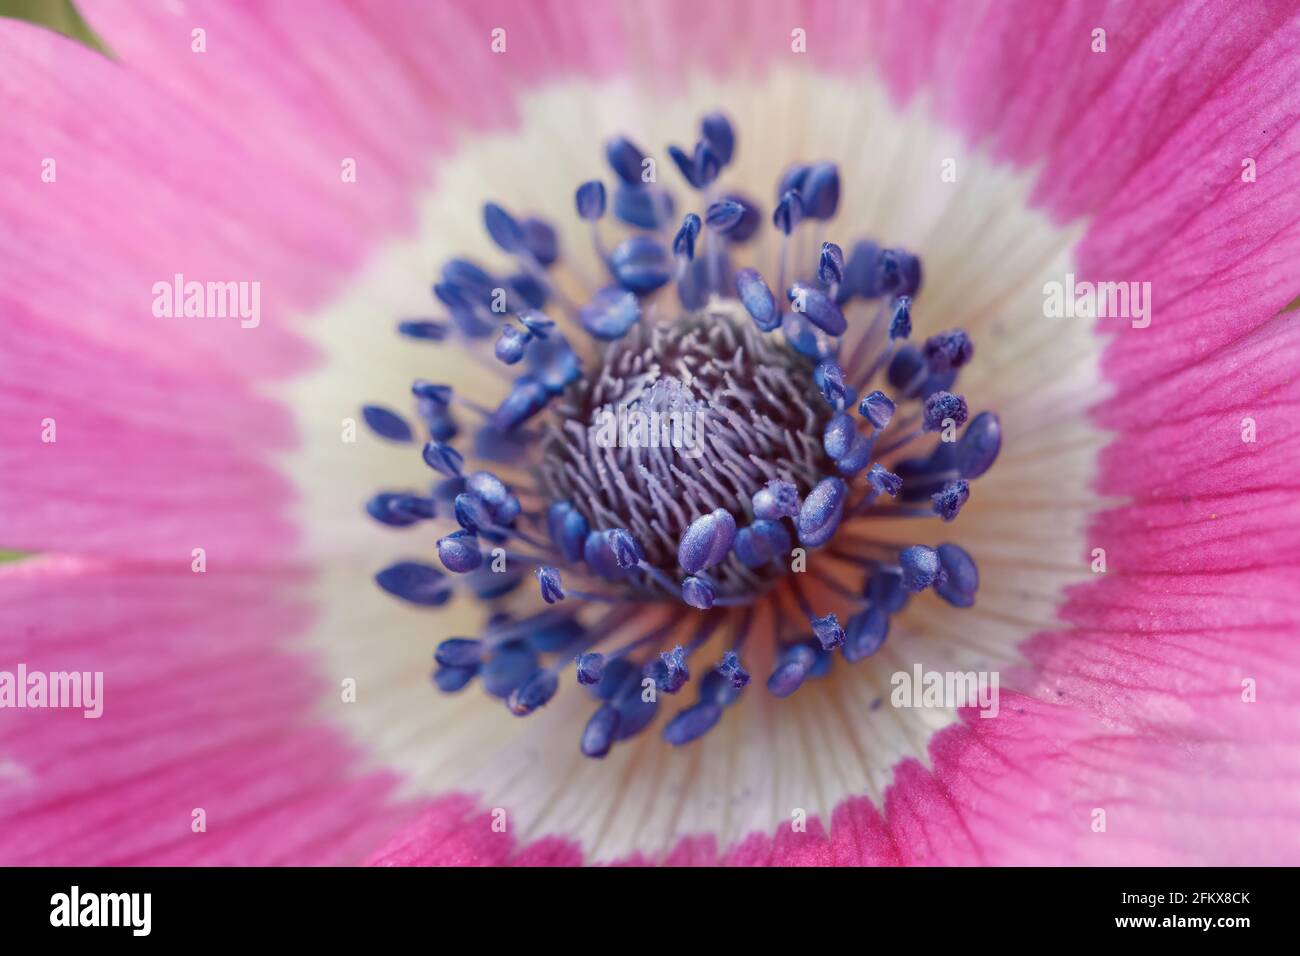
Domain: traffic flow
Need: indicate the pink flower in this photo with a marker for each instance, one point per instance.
(184, 482)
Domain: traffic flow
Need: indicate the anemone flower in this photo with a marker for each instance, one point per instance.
(673, 432)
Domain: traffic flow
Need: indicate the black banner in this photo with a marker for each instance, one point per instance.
(304, 905)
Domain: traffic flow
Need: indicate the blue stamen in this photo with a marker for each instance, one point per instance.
(459, 552)
(510, 665)
(698, 592)
(719, 134)
(883, 481)
(549, 634)
(568, 529)
(886, 590)
(900, 322)
(908, 370)
(591, 667)
(944, 406)
(777, 499)
(820, 191)
(533, 693)
(760, 542)
(640, 265)
(878, 409)
(707, 164)
(609, 315)
(757, 299)
(856, 457)
(620, 674)
(694, 283)
(979, 445)
(540, 241)
(438, 394)
(601, 732)
(415, 507)
(489, 488)
(829, 377)
(949, 499)
(898, 273)
(528, 289)
(865, 634)
(469, 279)
(692, 723)
(828, 632)
(729, 667)
(669, 671)
(428, 330)
(590, 200)
(386, 423)
(449, 680)
(700, 168)
(724, 215)
(792, 668)
(684, 241)
(706, 541)
(921, 568)
(503, 228)
(962, 577)
(749, 223)
(551, 361)
(536, 323)
(860, 271)
(415, 582)
(469, 322)
(454, 297)
(510, 345)
(788, 212)
(387, 508)
(548, 580)
(645, 207)
(838, 434)
(717, 689)
(437, 419)
(473, 514)
(685, 164)
(804, 337)
(626, 159)
(445, 491)
(625, 548)
(443, 459)
(830, 265)
(792, 178)
(527, 397)
(820, 514)
(599, 557)
(459, 652)
(948, 350)
(505, 514)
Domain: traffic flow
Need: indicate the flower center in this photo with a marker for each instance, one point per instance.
(692, 476)
(683, 419)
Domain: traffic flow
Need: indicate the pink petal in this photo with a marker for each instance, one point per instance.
(204, 706)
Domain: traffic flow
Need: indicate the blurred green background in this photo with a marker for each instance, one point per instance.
(58, 15)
